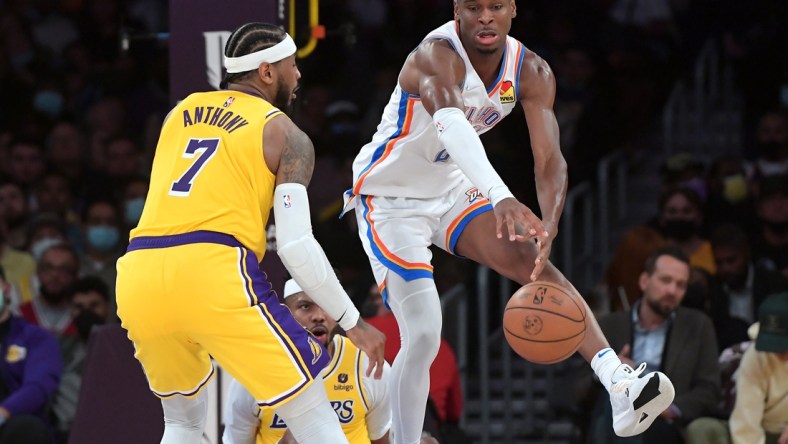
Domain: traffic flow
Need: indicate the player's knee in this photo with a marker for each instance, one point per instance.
(423, 340)
(185, 412)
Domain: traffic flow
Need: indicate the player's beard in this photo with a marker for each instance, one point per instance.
(283, 99)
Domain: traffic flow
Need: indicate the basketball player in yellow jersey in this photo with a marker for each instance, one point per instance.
(189, 287)
(360, 402)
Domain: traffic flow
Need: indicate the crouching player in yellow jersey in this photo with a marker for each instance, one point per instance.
(360, 402)
(189, 286)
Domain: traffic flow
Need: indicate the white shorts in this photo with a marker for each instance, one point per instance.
(397, 231)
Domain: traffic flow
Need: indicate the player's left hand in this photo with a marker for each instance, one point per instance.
(516, 215)
(544, 242)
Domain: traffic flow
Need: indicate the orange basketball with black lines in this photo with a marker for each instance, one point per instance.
(544, 322)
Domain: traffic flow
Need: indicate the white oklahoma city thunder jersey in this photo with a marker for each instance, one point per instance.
(405, 157)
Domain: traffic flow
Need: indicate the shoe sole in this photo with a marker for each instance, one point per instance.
(653, 399)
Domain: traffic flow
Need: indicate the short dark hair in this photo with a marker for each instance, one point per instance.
(671, 250)
(91, 284)
(247, 39)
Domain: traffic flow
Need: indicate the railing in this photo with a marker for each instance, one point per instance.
(577, 260)
(611, 201)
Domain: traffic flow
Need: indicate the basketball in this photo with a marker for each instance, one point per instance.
(544, 323)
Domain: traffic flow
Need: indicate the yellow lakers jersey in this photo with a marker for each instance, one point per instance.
(209, 172)
(345, 392)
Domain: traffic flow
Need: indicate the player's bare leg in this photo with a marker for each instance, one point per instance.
(515, 260)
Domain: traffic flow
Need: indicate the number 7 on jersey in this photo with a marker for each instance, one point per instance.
(205, 148)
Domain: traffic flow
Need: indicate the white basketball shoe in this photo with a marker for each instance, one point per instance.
(637, 401)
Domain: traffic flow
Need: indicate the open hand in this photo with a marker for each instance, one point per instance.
(513, 213)
(371, 341)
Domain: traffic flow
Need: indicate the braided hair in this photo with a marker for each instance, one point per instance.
(247, 39)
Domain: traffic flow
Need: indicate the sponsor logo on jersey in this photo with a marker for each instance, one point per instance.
(342, 378)
(507, 92)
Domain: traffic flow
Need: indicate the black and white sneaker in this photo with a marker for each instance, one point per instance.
(637, 401)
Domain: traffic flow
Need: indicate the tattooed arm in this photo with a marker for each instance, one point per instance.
(288, 151)
(290, 156)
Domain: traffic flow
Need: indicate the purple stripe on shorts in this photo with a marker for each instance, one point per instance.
(312, 352)
(174, 240)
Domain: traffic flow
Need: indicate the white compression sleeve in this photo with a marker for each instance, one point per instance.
(464, 146)
(304, 258)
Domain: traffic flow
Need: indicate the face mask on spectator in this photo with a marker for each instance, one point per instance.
(103, 238)
(679, 229)
(48, 102)
(133, 210)
(40, 246)
(85, 321)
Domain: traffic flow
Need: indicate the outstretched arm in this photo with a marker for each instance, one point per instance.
(550, 173)
(290, 155)
(437, 72)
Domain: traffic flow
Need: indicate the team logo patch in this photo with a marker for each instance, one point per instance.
(15, 353)
(287, 200)
(507, 92)
(229, 102)
(473, 194)
(317, 350)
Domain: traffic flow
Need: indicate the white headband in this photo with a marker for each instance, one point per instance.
(252, 61)
(291, 288)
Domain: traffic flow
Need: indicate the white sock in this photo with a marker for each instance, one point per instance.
(605, 362)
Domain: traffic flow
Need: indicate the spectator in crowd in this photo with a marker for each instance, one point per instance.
(740, 286)
(103, 245)
(67, 153)
(89, 308)
(28, 377)
(26, 163)
(680, 216)
(761, 411)
(134, 194)
(730, 196)
(46, 230)
(771, 146)
(19, 265)
(770, 243)
(45, 299)
(16, 213)
(676, 340)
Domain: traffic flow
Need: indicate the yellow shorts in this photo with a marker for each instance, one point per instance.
(188, 297)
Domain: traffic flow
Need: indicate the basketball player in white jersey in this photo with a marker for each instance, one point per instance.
(425, 179)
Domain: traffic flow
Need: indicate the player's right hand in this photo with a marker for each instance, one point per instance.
(371, 341)
(513, 213)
